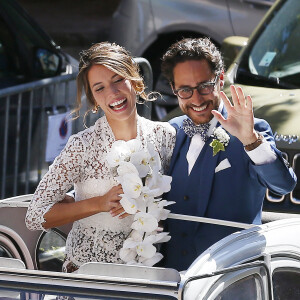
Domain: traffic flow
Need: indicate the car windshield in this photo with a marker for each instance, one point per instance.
(275, 58)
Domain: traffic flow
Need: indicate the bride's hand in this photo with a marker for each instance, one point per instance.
(117, 211)
(111, 199)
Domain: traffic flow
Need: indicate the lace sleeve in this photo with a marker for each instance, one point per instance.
(167, 146)
(62, 174)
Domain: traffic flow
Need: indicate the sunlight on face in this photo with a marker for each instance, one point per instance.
(113, 93)
(190, 74)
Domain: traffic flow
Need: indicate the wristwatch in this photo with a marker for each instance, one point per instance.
(255, 144)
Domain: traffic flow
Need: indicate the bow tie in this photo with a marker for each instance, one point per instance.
(191, 129)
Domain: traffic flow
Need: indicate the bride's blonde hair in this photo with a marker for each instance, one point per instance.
(114, 58)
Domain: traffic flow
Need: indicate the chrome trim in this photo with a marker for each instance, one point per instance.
(9, 246)
(281, 198)
(286, 138)
(260, 2)
(295, 200)
(16, 239)
(270, 198)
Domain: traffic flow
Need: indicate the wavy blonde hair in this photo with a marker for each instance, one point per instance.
(114, 58)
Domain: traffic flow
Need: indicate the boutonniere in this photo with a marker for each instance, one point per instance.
(220, 140)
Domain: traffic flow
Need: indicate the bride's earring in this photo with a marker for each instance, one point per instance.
(138, 95)
(95, 109)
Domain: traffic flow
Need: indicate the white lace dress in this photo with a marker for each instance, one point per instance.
(82, 164)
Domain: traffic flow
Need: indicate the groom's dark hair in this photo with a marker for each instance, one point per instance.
(191, 49)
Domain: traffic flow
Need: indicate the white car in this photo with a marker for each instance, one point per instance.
(148, 27)
(262, 262)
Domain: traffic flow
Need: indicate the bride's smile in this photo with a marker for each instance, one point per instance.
(113, 93)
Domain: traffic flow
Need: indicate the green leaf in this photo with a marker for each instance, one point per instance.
(217, 146)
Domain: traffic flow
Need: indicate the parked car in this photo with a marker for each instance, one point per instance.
(148, 27)
(262, 262)
(27, 53)
(268, 70)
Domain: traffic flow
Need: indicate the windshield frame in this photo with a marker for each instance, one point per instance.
(242, 72)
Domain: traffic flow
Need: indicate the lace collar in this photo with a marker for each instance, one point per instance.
(102, 126)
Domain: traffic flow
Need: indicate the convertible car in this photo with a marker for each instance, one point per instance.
(261, 262)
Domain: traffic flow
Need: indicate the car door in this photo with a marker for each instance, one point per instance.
(246, 14)
(247, 281)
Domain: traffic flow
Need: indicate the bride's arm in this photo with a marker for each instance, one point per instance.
(46, 211)
(67, 212)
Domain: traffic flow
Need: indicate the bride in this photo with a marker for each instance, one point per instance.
(111, 81)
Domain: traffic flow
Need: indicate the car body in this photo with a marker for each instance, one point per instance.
(268, 69)
(276, 93)
(262, 262)
(148, 27)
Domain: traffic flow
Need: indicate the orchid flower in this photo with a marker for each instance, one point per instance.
(119, 152)
(129, 204)
(146, 250)
(157, 237)
(125, 168)
(127, 254)
(157, 209)
(155, 162)
(134, 145)
(150, 261)
(148, 195)
(141, 160)
(131, 184)
(144, 222)
(159, 182)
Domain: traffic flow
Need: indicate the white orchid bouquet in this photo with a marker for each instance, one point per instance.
(138, 171)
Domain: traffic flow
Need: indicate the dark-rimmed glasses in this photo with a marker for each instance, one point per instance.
(205, 88)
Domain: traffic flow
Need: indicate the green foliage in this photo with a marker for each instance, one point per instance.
(217, 146)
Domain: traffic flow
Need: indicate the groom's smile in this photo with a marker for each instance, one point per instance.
(189, 74)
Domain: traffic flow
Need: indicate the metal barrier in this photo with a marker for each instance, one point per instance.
(24, 113)
(23, 118)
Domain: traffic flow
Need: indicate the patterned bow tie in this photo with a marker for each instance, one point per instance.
(191, 129)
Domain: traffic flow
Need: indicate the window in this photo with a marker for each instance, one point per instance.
(274, 59)
(51, 251)
(248, 288)
(10, 69)
(4, 252)
(286, 284)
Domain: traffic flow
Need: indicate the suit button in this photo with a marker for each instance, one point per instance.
(184, 252)
(185, 198)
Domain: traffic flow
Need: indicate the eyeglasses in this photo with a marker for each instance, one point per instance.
(205, 88)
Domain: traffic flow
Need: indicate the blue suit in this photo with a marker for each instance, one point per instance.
(234, 194)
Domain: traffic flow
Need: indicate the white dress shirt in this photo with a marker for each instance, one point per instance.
(263, 154)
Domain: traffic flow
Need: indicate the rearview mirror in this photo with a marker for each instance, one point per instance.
(47, 62)
(231, 47)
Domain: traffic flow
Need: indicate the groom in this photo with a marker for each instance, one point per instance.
(224, 176)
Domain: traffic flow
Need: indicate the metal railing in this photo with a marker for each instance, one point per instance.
(23, 131)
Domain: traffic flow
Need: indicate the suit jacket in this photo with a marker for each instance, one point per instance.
(235, 193)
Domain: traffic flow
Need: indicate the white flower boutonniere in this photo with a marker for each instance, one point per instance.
(220, 141)
(138, 171)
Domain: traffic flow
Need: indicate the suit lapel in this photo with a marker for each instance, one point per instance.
(206, 172)
(204, 168)
(180, 139)
(207, 165)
